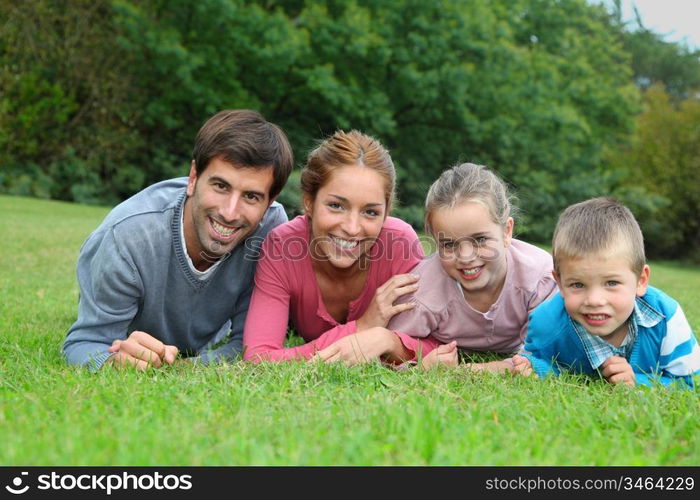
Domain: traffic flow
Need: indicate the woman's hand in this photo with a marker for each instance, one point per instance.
(382, 307)
(360, 347)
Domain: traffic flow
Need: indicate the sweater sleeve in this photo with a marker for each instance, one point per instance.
(110, 289)
(679, 356)
(268, 316)
(539, 346)
(546, 288)
(414, 328)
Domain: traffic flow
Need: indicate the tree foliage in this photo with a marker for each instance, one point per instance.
(664, 165)
(100, 98)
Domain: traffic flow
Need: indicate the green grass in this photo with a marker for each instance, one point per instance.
(295, 414)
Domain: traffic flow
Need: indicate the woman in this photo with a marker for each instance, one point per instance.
(335, 272)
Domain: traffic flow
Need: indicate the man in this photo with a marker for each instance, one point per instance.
(170, 270)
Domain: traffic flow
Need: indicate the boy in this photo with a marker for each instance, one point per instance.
(606, 318)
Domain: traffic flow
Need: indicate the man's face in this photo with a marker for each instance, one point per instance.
(225, 204)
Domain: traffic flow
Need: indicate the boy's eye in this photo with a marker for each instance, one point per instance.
(612, 283)
(480, 239)
(576, 285)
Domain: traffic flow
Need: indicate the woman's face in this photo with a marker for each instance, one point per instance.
(347, 215)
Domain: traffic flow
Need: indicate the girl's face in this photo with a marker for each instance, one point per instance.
(347, 215)
(472, 247)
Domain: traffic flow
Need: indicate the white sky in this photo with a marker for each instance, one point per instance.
(678, 20)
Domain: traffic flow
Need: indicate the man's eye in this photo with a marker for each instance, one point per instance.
(252, 197)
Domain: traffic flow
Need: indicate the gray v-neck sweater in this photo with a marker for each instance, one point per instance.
(134, 275)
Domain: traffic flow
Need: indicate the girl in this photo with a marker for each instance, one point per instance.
(477, 290)
(335, 272)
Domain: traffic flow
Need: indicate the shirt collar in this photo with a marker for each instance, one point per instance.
(598, 350)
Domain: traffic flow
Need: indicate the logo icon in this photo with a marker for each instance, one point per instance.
(17, 482)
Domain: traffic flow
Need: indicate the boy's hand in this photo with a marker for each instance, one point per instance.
(522, 366)
(445, 354)
(617, 370)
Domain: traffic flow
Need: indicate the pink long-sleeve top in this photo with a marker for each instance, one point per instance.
(286, 290)
(441, 313)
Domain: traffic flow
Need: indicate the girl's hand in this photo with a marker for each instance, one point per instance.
(445, 354)
(382, 307)
(361, 347)
(522, 366)
(617, 370)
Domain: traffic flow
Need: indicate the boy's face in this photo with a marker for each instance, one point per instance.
(599, 293)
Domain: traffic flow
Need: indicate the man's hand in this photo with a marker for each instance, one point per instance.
(382, 307)
(445, 354)
(617, 370)
(142, 350)
(360, 347)
(522, 366)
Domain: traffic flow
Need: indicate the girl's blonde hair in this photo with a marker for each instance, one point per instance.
(469, 182)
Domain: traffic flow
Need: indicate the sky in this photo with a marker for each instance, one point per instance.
(678, 20)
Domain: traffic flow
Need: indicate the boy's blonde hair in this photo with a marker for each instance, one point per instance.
(469, 182)
(596, 226)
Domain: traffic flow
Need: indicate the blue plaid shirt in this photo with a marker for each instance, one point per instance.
(598, 350)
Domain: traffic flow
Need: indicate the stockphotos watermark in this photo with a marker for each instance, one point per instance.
(106, 483)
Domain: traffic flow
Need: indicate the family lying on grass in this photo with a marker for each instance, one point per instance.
(204, 268)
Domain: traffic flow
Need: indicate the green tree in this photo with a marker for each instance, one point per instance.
(664, 162)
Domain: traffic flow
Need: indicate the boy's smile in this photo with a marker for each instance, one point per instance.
(599, 292)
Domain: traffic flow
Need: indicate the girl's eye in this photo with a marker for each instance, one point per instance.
(448, 245)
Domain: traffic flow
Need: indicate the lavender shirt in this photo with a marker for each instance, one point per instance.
(442, 313)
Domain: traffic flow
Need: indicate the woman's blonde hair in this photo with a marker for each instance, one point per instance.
(344, 149)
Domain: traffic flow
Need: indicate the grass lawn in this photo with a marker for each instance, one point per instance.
(296, 413)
